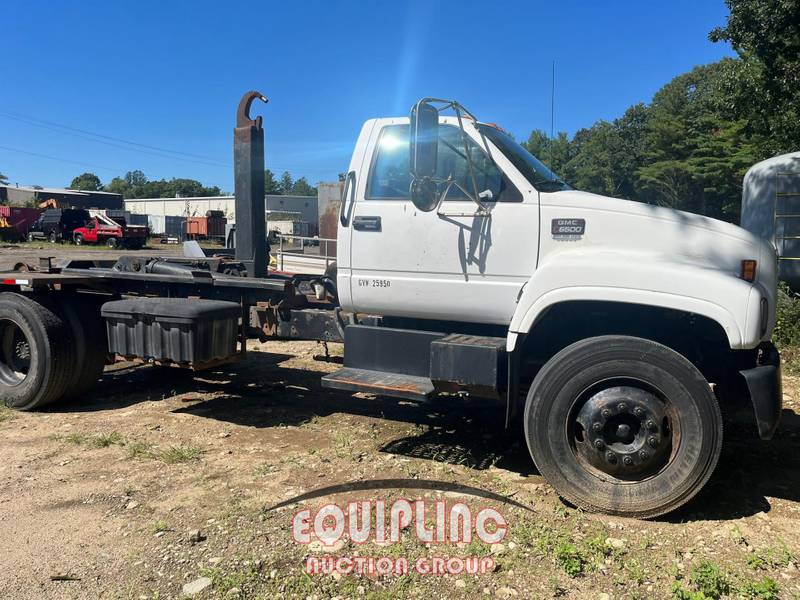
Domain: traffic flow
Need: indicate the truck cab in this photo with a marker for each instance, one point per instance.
(613, 330)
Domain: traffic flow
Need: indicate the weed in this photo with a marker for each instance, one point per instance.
(6, 414)
(569, 558)
(709, 579)
(76, 438)
(160, 526)
(180, 454)
(105, 440)
(765, 589)
(770, 557)
(139, 450)
(637, 572)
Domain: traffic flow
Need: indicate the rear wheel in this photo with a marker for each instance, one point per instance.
(35, 352)
(31, 237)
(624, 426)
(91, 344)
(111, 242)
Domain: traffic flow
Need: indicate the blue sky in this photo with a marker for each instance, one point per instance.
(168, 75)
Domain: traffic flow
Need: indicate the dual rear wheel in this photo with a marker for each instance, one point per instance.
(50, 348)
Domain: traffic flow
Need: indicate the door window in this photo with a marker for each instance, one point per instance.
(390, 177)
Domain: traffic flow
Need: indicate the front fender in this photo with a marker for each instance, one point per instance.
(643, 279)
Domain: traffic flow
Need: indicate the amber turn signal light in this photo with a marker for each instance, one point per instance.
(749, 270)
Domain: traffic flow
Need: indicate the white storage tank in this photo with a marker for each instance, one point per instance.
(771, 209)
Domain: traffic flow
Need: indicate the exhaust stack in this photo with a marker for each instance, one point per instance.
(248, 166)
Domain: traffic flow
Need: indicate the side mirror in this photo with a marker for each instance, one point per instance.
(424, 148)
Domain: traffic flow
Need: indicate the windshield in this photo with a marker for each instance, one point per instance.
(540, 177)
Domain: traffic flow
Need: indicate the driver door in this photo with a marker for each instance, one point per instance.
(452, 264)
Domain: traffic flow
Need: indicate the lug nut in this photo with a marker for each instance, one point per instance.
(611, 457)
(606, 413)
(622, 407)
(599, 444)
(652, 441)
(627, 460)
(638, 411)
(651, 425)
(643, 454)
(597, 427)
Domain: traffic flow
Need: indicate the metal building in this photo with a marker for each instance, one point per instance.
(305, 207)
(771, 209)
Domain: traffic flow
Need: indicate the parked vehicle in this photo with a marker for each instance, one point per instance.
(610, 331)
(16, 221)
(113, 233)
(58, 224)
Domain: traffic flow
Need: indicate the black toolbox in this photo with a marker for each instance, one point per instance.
(172, 330)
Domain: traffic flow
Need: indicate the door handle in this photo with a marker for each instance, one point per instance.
(363, 223)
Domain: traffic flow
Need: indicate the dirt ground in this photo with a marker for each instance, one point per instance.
(158, 478)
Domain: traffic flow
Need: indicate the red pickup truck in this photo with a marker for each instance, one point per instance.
(104, 230)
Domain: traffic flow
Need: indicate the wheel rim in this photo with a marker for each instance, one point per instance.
(623, 429)
(15, 353)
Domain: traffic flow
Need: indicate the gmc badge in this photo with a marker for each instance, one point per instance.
(568, 227)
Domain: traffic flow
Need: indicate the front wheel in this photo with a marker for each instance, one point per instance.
(624, 426)
(78, 239)
(53, 237)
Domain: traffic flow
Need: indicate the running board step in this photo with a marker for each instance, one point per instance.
(409, 387)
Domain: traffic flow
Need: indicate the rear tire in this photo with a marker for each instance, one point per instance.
(36, 352)
(91, 343)
(111, 242)
(31, 237)
(624, 426)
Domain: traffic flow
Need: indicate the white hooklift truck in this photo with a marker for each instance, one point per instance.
(613, 331)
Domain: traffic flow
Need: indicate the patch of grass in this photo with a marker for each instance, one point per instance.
(180, 454)
(139, 450)
(6, 414)
(160, 526)
(570, 558)
(636, 571)
(104, 440)
(76, 438)
(770, 558)
(709, 579)
(247, 579)
(764, 589)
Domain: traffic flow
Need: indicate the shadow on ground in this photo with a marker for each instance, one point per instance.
(259, 393)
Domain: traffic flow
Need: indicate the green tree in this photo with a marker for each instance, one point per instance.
(271, 185)
(3, 179)
(286, 183)
(88, 182)
(764, 86)
(301, 187)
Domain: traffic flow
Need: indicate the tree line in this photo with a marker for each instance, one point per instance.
(691, 145)
(136, 185)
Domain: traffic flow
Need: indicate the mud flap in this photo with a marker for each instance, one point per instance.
(766, 391)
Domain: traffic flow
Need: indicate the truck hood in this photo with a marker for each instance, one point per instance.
(653, 233)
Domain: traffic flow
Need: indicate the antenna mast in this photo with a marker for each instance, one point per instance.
(552, 113)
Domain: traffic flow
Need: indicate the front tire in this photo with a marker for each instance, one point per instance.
(53, 237)
(78, 239)
(624, 426)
